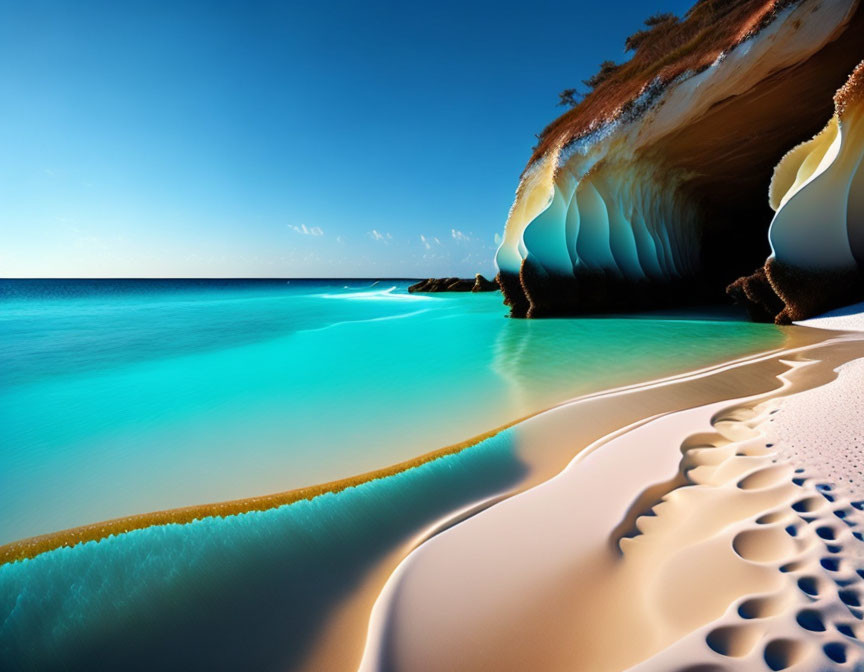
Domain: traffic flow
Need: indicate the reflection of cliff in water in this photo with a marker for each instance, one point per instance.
(543, 362)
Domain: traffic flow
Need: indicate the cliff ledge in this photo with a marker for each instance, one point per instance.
(660, 187)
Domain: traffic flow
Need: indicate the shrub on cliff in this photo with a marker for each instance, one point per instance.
(658, 26)
(636, 40)
(659, 19)
(667, 47)
(607, 69)
(569, 98)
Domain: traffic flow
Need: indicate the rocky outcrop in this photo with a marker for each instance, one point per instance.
(817, 234)
(478, 284)
(652, 192)
(442, 285)
(755, 293)
(481, 284)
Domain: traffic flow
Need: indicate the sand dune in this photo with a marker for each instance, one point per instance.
(719, 537)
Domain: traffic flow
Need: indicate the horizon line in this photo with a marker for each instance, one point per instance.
(346, 277)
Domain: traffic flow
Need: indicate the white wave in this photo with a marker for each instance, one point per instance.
(390, 294)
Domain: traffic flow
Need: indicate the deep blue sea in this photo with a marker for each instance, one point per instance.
(120, 397)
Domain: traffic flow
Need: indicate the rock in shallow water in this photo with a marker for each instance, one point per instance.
(479, 284)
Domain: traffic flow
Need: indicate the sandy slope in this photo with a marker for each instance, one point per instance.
(718, 537)
(548, 442)
(850, 318)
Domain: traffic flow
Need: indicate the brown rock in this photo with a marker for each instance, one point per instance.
(481, 284)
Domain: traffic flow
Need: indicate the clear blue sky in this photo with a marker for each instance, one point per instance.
(221, 138)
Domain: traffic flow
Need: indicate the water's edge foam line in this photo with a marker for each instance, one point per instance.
(381, 618)
(31, 547)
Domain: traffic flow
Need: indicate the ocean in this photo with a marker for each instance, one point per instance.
(122, 397)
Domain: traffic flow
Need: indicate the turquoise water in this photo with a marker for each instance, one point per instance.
(247, 592)
(123, 397)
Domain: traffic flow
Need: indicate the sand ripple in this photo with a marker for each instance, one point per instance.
(725, 537)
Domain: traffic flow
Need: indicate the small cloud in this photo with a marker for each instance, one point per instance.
(425, 242)
(377, 235)
(307, 230)
(498, 239)
(458, 235)
(339, 239)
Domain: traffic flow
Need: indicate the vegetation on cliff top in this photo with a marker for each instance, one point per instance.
(665, 49)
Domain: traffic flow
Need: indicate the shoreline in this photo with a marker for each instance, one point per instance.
(550, 440)
(705, 468)
(31, 547)
(356, 530)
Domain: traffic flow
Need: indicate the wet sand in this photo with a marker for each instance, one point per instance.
(546, 443)
(648, 546)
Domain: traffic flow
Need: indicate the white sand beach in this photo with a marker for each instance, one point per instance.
(723, 535)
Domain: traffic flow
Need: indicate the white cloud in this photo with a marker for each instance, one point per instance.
(428, 240)
(377, 235)
(307, 230)
(458, 235)
(498, 239)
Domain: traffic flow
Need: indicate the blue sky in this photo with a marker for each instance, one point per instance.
(278, 139)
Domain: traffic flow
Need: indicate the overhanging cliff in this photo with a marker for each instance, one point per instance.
(654, 190)
(817, 233)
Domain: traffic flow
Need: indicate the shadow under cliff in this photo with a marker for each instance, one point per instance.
(727, 156)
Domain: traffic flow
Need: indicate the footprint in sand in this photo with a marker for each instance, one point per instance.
(810, 585)
(734, 640)
(810, 619)
(763, 545)
(835, 651)
(809, 505)
(780, 654)
(764, 606)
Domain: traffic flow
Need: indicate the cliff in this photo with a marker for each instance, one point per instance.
(817, 234)
(654, 190)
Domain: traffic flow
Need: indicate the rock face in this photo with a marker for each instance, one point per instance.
(755, 293)
(652, 191)
(481, 284)
(817, 234)
(478, 284)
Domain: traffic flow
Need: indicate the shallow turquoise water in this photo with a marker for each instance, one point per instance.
(247, 592)
(119, 397)
(125, 397)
